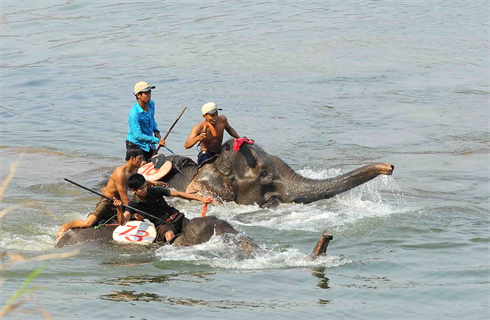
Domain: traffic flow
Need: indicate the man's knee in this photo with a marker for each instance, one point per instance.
(169, 235)
(89, 222)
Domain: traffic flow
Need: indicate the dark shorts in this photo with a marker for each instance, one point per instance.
(175, 226)
(146, 154)
(205, 155)
(104, 210)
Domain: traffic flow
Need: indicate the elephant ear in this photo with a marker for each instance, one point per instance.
(211, 181)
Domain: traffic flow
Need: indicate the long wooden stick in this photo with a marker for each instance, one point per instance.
(168, 132)
(124, 205)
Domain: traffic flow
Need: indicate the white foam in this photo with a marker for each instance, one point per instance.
(217, 254)
(33, 242)
(379, 197)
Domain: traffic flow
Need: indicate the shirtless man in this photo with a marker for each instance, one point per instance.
(117, 188)
(203, 132)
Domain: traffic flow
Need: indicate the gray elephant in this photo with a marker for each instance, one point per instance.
(251, 176)
(195, 231)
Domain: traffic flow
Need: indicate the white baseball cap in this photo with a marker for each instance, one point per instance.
(142, 87)
(210, 108)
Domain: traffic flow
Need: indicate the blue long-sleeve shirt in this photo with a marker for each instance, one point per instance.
(142, 125)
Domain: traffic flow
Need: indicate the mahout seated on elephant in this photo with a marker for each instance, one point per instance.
(167, 220)
(252, 176)
(116, 188)
(209, 132)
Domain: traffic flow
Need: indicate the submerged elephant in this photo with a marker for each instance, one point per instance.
(195, 231)
(251, 176)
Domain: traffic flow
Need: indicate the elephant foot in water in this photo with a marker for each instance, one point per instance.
(321, 245)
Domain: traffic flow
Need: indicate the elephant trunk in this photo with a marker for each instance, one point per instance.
(304, 190)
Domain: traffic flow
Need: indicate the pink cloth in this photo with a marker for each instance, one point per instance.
(239, 142)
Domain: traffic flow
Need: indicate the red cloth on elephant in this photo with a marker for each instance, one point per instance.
(239, 142)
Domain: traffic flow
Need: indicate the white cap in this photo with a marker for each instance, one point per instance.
(210, 108)
(142, 87)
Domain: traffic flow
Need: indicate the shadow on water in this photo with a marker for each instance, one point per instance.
(166, 278)
(320, 274)
(133, 296)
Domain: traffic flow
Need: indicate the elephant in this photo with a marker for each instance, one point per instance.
(252, 176)
(195, 231)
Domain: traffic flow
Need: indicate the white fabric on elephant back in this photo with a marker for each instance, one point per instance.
(150, 173)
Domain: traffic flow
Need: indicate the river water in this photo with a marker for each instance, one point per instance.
(328, 86)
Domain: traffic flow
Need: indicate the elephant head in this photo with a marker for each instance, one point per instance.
(251, 176)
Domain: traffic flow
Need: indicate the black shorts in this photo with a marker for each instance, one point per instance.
(205, 155)
(163, 228)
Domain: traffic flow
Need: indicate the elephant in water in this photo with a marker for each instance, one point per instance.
(251, 176)
(195, 231)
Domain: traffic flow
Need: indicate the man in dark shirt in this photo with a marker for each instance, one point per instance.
(150, 200)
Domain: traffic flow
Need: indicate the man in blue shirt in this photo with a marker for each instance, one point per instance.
(143, 130)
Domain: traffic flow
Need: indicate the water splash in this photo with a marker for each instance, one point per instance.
(217, 254)
(378, 198)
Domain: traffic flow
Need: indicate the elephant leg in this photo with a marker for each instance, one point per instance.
(321, 246)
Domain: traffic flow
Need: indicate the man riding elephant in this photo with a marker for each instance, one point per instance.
(210, 132)
(151, 200)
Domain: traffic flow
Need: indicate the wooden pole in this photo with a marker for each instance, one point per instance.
(168, 132)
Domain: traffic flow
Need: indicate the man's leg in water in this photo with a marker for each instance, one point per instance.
(103, 210)
(89, 222)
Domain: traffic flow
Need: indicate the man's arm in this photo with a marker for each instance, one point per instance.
(194, 137)
(122, 217)
(232, 132)
(188, 196)
(121, 184)
(155, 183)
(155, 127)
(156, 132)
